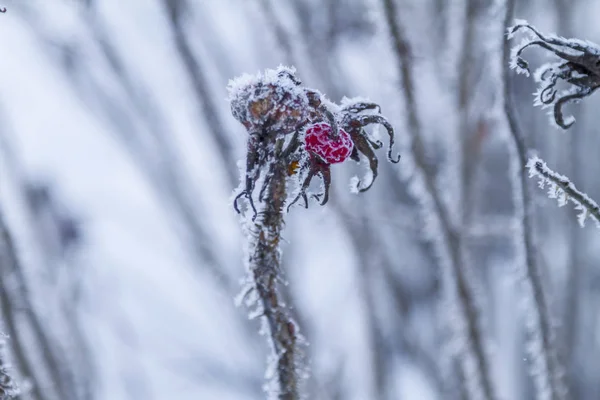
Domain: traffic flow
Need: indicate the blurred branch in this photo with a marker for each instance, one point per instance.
(9, 263)
(449, 243)
(546, 368)
(409, 346)
(372, 257)
(204, 371)
(200, 84)
(281, 35)
(19, 302)
(153, 149)
(470, 136)
(369, 258)
(159, 163)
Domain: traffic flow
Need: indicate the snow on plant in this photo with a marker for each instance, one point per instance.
(578, 65)
(276, 105)
(294, 133)
(563, 190)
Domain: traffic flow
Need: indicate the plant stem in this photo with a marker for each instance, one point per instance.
(538, 167)
(265, 269)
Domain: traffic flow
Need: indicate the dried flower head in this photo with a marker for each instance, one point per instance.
(274, 106)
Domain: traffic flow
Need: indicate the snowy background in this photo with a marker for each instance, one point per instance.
(118, 160)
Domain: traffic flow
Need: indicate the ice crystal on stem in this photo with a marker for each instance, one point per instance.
(563, 190)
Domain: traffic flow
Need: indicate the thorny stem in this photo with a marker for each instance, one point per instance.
(265, 269)
(533, 277)
(451, 238)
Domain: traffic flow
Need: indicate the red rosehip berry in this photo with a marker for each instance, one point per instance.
(318, 141)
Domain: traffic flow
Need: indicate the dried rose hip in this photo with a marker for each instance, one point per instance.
(273, 100)
(318, 141)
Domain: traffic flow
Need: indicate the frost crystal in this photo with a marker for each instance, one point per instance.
(562, 189)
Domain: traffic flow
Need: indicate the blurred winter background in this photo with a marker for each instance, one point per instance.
(118, 158)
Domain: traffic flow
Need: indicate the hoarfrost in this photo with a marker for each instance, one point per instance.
(562, 189)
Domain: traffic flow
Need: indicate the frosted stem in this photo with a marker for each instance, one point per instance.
(265, 270)
(566, 189)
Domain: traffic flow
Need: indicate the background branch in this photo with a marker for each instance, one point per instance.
(546, 368)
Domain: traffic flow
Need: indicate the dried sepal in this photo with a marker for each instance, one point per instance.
(579, 67)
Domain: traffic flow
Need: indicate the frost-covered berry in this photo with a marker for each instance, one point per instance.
(273, 101)
(318, 141)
